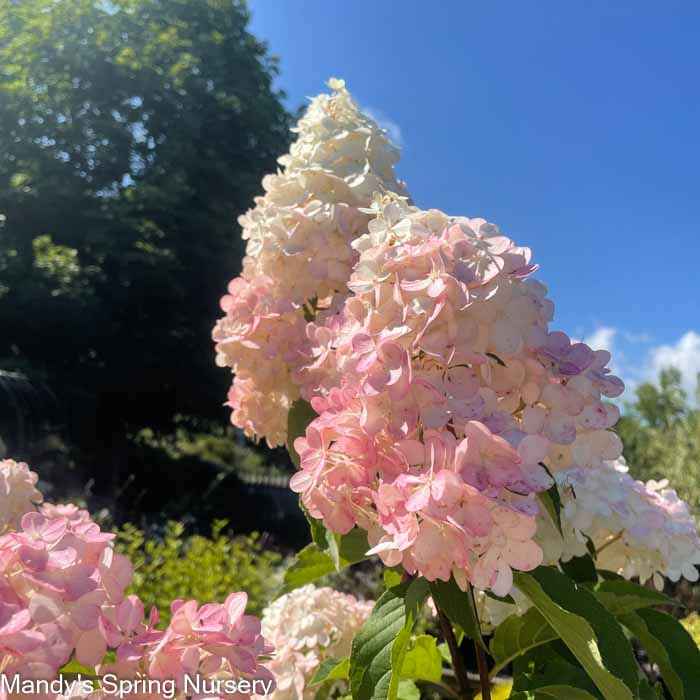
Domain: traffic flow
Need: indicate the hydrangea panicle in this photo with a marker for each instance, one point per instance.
(299, 255)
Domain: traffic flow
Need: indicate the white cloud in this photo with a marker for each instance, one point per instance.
(602, 338)
(684, 356)
(637, 338)
(392, 128)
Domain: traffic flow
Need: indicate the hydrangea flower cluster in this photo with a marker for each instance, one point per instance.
(307, 626)
(62, 595)
(212, 641)
(445, 402)
(298, 255)
(639, 530)
(18, 493)
(58, 576)
(441, 394)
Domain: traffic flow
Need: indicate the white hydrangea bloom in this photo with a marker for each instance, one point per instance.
(300, 231)
(306, 626)
(639, 530)
(18, 493)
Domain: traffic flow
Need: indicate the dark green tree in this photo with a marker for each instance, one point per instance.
(132, 135)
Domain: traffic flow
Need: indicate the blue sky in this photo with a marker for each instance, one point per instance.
(573, 126)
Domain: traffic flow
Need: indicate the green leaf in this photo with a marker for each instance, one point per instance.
(318, 531)
(300, 415)
(517, 635)
(423, 661)
(408, 690)
(392, 578)
(580, 569)
(331, 670)
(621, 597)
(551, 664)
(646, 692)
(458, 606)
(554, 692)
(311, 563)
(671, 647)
(551, 500)
(353, 547)
(380, 647)
(586, 627)
(73, 668)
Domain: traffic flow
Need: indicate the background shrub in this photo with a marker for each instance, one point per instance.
(173, 566)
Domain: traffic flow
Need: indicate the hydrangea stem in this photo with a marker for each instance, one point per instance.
(484, 679)
(460, 670)
(483, 672)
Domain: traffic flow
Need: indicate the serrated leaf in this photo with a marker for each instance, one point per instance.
(621, 597)
(379, 648)
(586, 627)
(458, 606)
(311, 563)
(423, 660)
(671, 647)
(517, 635)
(331, 670)
(299, 417)
(554, 692)
(580, 569)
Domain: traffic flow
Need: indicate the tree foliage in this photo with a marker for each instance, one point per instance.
(661, 433)
(132, 134)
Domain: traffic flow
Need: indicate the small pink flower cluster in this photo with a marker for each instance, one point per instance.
(58, 573)
(441, 393)
(214, 641)
(298, 255)
(62, 595)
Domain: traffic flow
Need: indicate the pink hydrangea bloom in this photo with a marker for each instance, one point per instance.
(62, 596)
(442, 394)
(208, 643)
(61, 573)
